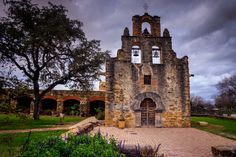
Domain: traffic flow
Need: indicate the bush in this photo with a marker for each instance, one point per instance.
(46, 112)
(138, 151)
(73, 146)
(100, 115)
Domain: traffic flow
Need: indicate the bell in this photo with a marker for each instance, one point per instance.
(156, 55)
(136, 53)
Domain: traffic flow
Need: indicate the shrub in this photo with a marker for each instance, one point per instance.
(138, 151)
(73, 146)
(47, 112)
(100, 115)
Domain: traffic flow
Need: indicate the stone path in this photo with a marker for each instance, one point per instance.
(175, 142)
(62, 127)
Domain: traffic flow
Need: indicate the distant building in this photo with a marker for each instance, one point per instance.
(146, 82)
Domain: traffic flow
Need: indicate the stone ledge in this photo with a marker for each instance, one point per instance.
(224, 151)
(202, 123)
(82, 127)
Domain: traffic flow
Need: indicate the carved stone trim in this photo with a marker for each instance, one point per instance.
(155, 97)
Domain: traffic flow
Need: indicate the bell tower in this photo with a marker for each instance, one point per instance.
(153, 21)
(146, 83)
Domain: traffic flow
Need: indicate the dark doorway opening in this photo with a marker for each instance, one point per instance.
(96, 106)
(49, 106)
(23, 104)
(71, 107)
(148, 112)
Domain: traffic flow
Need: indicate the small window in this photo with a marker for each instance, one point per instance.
(147, 79)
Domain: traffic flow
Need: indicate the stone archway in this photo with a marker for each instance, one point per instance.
(71, 107)
(49, 106)
(23, 103)
(96, 105)
(156, 106)
(147, 108)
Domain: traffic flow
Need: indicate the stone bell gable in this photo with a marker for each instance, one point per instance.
(146, 82)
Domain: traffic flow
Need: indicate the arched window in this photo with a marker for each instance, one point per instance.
(156, 56)
(136, 54)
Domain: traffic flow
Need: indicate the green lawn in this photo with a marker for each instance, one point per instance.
(12, 122)
(222, 127)
(11, 144)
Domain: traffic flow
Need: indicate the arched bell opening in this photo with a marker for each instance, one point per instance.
(146, 28)
(156, 55)
(136, 54)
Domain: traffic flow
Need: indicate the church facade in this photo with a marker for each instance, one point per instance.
(146, 83)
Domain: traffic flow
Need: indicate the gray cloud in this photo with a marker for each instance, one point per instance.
(203, 30)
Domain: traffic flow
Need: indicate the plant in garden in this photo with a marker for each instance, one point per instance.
(74, 110)
(74, 146)
(100, 114)
(10, 88)
(138, 151)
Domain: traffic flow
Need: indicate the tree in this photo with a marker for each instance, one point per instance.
(48, 48)
(226, 99)
(200, 106)
(197, 104)
(10, 89)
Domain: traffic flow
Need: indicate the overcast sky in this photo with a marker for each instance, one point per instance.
(204, 30)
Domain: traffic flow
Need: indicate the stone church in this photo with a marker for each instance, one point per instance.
(146, 83)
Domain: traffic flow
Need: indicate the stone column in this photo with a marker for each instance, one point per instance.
(84, 109)
(158, 122)
(137, 118)
(60, 105)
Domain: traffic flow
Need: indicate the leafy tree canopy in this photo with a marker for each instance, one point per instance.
(48, 48)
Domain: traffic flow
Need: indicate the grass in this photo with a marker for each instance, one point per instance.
(10, 144)
(12, 122)
(222, 127)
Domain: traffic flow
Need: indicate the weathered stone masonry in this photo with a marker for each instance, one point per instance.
(148, 93)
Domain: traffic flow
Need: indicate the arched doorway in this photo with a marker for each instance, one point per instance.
(148, 112)
(23, 103)
(95, 106)
(71, 107)
(49, 106)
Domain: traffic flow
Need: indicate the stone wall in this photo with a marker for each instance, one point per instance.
(60, 96)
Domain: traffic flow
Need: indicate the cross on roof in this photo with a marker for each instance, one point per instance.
(145, 7)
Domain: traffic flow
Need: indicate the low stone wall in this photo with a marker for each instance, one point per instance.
(224, 151)
(83, 127)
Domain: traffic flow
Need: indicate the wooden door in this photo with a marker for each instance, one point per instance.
(148, 112)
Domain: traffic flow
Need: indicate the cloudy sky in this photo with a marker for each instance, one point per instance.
(204, 30)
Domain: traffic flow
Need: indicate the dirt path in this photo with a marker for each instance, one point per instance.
(62, 127)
